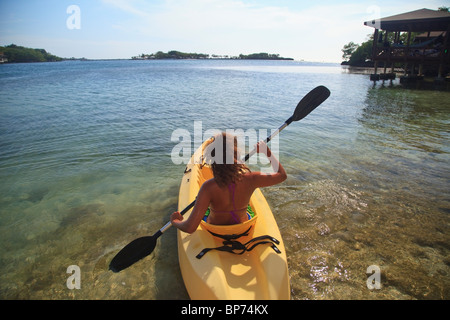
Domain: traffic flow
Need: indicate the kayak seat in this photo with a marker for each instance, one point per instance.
(231, 245)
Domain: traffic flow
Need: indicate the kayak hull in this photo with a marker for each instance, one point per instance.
(260, 274)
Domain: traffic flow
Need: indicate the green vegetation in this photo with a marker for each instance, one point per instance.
(171, 55)
(358, 55)
(182, 55)
(16, 53)
(263, 56)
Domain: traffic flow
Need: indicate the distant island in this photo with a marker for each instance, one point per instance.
(17, 54)
(263, 56)
(14, 53)
(183, 55)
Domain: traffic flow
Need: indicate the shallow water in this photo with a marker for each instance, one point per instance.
(85, 168)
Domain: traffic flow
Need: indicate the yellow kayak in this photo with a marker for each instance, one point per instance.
(261, 273)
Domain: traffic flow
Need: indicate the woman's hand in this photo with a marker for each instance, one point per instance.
(176, 216)
(261, 147)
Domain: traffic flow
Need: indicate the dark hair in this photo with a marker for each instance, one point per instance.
(224, 158)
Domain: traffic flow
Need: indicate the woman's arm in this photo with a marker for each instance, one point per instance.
(264, 179)
(201, 205)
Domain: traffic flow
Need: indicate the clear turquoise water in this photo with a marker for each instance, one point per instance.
(85, 168)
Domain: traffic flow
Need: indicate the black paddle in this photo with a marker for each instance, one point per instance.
(142, 247)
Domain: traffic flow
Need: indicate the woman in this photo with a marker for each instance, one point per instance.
(228, 193)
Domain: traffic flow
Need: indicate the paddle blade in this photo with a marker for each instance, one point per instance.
(309, 102)
(133, 252)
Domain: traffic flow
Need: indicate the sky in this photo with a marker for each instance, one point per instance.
(119, 29)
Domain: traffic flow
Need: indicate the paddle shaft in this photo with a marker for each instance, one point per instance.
(269, 138)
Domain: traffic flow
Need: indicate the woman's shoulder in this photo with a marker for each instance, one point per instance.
(208, 188)
(249, 176)
(210, 184)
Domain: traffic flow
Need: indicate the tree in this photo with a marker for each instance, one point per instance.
(263, 56)
(362, 53)
(358, 55)
(348, 50)
(161, 55)
(16, 53)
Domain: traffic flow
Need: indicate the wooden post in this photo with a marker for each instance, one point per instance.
(407, 52)
(374, 77)
(397, 37)
(374, 45)
(407, 41)
(444, 47)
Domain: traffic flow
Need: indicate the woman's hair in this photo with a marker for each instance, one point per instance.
(223, 156)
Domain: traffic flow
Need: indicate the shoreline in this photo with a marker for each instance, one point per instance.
(174, 59)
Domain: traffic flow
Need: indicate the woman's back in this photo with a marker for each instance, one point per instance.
(229, 204)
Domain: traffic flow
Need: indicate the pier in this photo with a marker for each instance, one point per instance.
(415, 42)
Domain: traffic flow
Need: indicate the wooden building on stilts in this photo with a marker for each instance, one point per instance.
(417, 42)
